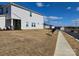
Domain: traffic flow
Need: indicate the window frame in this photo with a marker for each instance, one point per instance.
(1, 10)
(27, 24)
(33, 24)
(30, 14)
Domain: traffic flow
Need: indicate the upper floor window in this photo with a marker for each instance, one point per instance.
(30, 14)
(6, 10)
(1, 10)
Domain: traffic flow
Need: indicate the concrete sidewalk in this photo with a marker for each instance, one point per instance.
(62, 47)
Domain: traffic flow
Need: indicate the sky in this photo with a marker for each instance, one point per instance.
(55, 13)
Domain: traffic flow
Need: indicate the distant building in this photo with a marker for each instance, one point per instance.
(46, 26)
(49, 26)
(62, 28)
(13, 16)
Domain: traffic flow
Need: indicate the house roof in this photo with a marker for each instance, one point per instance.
(24, 8)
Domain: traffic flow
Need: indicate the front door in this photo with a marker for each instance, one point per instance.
(17, 24)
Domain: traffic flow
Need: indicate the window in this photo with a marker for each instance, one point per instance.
(30, 14)
(27, 24)
(33, 24)
(38, 23)
(1, 10)
(6, 10)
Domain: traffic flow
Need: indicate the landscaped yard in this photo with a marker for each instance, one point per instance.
(27, 42)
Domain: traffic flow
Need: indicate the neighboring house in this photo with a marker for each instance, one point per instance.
(13, 16)
(46, 26)
(62, 28)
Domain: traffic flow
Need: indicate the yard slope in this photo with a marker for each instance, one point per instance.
(27, 43)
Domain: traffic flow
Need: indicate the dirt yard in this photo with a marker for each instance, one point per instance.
(73, 42)
(27, 43)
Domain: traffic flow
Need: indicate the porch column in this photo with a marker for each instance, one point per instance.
(12, 27)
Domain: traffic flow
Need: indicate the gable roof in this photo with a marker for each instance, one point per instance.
(24, 8)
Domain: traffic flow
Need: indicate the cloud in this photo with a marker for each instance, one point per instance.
(47, 5)
(76, 20)
(39, 4)
(53, 17)
(68, 8)
(77, 8)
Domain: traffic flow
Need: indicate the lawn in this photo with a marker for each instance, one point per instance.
(27, 43)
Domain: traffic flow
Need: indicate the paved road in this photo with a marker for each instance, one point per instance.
(62, 47)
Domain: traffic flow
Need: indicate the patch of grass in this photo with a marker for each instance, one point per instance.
(27, 43)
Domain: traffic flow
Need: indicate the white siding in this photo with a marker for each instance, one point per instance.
(38, 19)
(8, 12)
(24, 15)
(2, 22)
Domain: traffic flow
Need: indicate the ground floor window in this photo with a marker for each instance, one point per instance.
(27, 24)
(33, 24)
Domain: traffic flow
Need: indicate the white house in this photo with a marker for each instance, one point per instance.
(13, 16)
